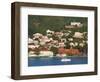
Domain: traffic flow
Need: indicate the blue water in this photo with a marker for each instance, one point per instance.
(56, 61)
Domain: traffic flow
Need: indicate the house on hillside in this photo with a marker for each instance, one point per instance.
(74, 25)
(37, 35)
(49, 32)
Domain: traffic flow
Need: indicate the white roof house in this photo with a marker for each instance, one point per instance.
(78, 35)
(63, 40)
(35, 42)
(61, 44)
(37, 34)
(78, 24)
(49, 31)
(30, 40)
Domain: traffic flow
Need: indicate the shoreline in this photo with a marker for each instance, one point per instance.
(53, 56)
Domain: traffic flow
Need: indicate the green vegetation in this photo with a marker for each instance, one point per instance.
(56, 23)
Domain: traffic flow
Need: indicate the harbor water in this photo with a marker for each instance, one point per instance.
(50, 61)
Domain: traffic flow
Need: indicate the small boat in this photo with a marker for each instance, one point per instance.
(65, 60)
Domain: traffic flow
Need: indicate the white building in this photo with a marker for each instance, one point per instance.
(37, 35)
(30, 40)
(78, 24)
(78, 35)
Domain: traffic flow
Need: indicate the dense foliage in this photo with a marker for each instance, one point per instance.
(56, 23)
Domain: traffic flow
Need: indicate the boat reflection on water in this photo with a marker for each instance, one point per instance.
(65, 60)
